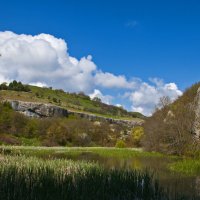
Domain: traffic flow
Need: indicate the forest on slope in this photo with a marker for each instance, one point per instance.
(171, 128)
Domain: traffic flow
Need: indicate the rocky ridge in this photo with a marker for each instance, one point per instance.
(42, 110)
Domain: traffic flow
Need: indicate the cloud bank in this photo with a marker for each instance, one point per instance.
(43, 60)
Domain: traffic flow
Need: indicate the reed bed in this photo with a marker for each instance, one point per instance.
(31, 178)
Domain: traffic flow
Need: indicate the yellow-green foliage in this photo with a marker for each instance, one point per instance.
(137, 134)
(120, 144)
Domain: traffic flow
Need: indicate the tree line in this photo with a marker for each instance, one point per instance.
(14, 85)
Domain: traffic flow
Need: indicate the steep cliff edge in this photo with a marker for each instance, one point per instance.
(33, 109)
(42, 110)
(197, 114)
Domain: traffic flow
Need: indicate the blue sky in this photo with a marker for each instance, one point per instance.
(135, 39)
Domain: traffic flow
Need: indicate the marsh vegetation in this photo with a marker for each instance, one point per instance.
(91, 173)
(33, 178)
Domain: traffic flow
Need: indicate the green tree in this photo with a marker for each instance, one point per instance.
(137, 134)
(120, 144)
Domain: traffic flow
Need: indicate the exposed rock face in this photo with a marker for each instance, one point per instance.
(197, 112)
(92, 117)
(39, 110)
(32, 109)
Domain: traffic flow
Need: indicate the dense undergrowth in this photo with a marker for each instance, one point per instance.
(17, 129)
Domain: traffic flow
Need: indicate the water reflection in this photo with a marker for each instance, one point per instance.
(187, 185)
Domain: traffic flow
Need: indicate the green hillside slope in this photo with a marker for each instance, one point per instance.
(71, 101)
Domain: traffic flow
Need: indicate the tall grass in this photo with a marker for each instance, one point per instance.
(31, 178)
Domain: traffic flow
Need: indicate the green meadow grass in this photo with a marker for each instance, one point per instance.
(101, 151)
(186, 166)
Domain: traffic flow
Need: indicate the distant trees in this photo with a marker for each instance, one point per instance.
(97, 99)
(16, 86)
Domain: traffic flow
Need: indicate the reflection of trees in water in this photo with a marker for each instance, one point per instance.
(136, 164)
(175, 182)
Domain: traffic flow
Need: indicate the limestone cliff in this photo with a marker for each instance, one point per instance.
(41, 110)
(33, 109)
(197, 113)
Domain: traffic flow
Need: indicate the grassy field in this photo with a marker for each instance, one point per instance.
(101, 151)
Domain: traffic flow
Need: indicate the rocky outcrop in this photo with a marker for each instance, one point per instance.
(92, 117)
(33, 109)
(197, 115)
(41, 110)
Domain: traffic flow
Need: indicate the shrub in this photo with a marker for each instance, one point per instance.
(55, 100)
(120, 144)
(137, 134)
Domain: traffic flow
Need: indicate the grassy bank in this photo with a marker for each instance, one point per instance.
(66, 151)
(28, 178)
(186, 166)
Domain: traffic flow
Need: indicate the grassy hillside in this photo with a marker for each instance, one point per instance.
(71, 101)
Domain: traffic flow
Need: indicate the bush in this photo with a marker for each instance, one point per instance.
(137, 134)
(120, 144)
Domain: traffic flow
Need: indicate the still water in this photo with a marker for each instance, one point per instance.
(186, 185)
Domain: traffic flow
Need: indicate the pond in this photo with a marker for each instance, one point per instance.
(113, 158)
(182, 184)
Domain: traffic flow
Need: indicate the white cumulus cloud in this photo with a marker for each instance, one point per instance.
(147, 96)
(43, 60)
(109, 80)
